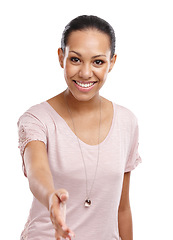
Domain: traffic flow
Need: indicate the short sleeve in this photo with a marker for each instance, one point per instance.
(30, 128)
(133, 159)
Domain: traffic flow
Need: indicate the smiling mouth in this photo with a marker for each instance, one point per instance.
(84, 85)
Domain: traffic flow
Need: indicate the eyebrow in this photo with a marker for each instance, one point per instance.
(100, 55)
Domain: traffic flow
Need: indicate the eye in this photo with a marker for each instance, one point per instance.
(75, 59)
(98, 62)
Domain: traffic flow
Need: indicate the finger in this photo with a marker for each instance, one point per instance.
(57, 236)
(66, 233)
(62, 194)
(69, 233)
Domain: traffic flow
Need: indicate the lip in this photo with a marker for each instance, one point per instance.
(82, 89)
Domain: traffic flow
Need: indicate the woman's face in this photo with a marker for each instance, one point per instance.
(86, 62)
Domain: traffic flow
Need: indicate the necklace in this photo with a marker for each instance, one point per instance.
(87, 202)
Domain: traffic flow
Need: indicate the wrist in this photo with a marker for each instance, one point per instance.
(49, 198)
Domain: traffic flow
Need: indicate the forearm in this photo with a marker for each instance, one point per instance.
(41, 185)
(38, 171)
(125, 224)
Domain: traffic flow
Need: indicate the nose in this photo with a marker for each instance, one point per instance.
(85, 71)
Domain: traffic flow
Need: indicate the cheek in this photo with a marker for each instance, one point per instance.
(70, 70)
(102, 73)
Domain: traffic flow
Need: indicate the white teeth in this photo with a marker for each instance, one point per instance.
(84, 85)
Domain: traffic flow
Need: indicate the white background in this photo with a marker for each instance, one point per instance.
(141, 81)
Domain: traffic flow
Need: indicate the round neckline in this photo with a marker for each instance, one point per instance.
(56, 114)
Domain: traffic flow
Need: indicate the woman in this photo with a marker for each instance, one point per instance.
(79, 148)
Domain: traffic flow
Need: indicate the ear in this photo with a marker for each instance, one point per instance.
(113, 60)
(61, 57)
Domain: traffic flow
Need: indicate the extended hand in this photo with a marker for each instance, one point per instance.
(57, 208)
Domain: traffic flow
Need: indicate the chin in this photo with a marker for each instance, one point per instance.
(83, 97)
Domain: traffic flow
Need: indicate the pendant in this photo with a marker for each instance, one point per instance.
(87, 203)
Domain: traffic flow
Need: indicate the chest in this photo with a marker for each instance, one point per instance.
(92, 127)
(91, 130)
(64, 149)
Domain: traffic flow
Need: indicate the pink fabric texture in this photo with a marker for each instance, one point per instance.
(118, 154)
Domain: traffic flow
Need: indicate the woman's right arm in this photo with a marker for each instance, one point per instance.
(42, 186)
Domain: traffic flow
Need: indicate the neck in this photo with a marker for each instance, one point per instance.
(82, 106)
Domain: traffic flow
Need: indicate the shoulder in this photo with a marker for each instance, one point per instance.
(125, 112)
(37, 112)
(125, 116)
(38, 109)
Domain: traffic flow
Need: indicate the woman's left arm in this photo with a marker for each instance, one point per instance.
(124, 211)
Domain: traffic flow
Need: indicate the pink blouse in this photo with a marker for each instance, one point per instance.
(118, 154)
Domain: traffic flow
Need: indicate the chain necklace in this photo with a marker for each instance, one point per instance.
(87, 202)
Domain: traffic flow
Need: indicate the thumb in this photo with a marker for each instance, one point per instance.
(62, 194)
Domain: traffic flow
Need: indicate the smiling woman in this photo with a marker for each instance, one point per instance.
(86, 61)
(81, 146)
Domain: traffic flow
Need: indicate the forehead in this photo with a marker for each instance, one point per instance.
(89, 40)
